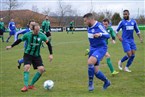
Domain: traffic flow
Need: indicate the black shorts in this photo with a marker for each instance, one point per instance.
(71, 28)
(48, 34)
(36, 61)
(1, 32)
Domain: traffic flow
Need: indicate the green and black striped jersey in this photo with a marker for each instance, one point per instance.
(33, 43)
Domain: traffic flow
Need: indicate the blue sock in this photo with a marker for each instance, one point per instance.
(91, 73)
(21, 61)
(101, 76)
(129, 62)
(124, 58)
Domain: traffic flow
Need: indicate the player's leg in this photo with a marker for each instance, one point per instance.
(20, 61)
(110, 65)
(126, 48)
(27, 62)
(37, 64)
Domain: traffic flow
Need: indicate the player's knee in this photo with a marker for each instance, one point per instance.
(41, 69)
(26, 67)
(96, 69)
(92, 60)
(108, 56)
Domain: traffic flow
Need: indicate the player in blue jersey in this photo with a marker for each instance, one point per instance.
(128, 26)
(97, 36)
(30, 25)
(12, 29)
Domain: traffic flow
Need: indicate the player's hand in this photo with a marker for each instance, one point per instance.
(120, 38)
(113, 41)
(50, 58)
(8, 47)
(97, 35)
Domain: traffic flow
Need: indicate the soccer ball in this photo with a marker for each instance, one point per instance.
(48, 84)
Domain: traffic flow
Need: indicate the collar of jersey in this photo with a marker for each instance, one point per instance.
(94, 24)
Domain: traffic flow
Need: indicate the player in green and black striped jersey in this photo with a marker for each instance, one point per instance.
(32, 54)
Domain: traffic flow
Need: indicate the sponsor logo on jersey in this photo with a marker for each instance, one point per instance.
(129, 27)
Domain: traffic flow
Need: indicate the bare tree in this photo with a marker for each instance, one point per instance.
(11, 5)
(46, 11)
(35, 8)
(63, 10)
(108, 14)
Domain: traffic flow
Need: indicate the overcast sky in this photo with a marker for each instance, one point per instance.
(136, 7)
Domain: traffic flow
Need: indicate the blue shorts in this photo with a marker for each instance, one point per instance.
(128, 45)
(98, 53)
(12, 32)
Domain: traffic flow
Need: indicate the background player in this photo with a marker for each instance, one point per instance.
(2, 29)
(128, 26)
(46, 28)
(71, 27)
(97, 36)
(12, 29)
(32, 55)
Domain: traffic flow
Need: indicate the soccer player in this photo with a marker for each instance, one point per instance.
(46, 28)
(112, 33)
(71, 27)
(128, 26)
(32, 55)
(97, 36)
(30, 25)
(12, 29)
(2, 29)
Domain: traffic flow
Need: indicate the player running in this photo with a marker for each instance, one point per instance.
(128, 26)
(30, 25)
(32, 55)
(97, 36)
(12, 29)
(2, 29)
(71, 27)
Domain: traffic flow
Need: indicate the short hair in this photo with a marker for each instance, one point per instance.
(126, 11)
(46, 15)
(88, 15)
(33, 27)
(106, 20)
(31, 21)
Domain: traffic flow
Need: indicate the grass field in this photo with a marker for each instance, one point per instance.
(69, 70)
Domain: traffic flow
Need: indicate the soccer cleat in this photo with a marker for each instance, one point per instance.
(91, 86)
(106, 84)
(24, 89)
(31, 87)
(120, 65)
(114, 72)
(19, 65)
(127, 69)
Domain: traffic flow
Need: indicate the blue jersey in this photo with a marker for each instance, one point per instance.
(12, 26)
(21, 32)
(100, 41)
(128, 27)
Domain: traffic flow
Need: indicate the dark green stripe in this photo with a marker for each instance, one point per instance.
(31, 43)
(36, 46)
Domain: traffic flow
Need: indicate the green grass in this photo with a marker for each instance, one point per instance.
(69, 70)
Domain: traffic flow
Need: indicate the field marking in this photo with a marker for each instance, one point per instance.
(53, 44)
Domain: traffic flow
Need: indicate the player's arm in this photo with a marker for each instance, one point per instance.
(9, 26)
(103, 33)
(14, 44)
(19, 32)
(138, 32)
(113, 35)
(43, 26)
(118, 29)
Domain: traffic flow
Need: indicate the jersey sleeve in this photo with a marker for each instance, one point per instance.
(112, 33)
(119, 26)
(103, 32)
(24, 37)
(136, 28)
(45, 39)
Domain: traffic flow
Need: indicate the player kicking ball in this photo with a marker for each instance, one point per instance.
(128, 26)
(97, 36)
(32, 55)
(107, 55)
